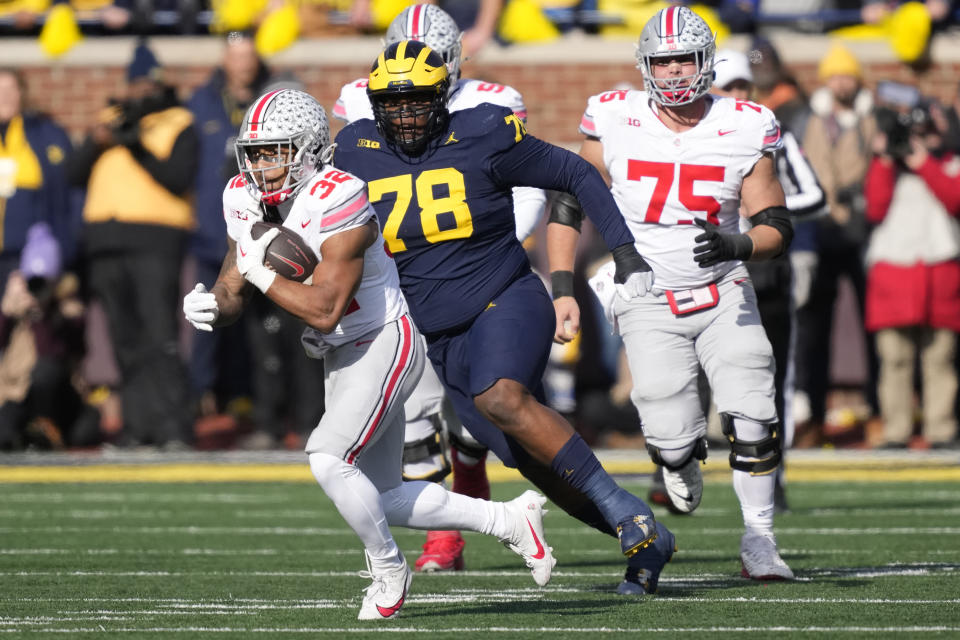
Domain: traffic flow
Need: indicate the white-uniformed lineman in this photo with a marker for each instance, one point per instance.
(681, 162)
(358, 323)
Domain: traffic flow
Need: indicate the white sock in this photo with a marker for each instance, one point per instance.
(358, 501)
(754, 492)
(427, 505)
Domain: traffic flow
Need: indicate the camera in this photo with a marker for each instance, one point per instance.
(901, 113)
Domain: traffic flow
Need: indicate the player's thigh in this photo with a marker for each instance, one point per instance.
(736, 354)
(367, 383)
(448, 355)
(664, 368)
(512, 337)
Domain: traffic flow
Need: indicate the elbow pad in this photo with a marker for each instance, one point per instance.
(566, 210)
(778, 218)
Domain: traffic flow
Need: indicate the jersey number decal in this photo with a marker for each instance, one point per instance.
(489, 86)
(329, 182)
(664, 173)
(432, 208)
(517, 125)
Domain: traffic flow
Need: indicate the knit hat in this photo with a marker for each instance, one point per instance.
(729, 66)
(40, 257)
(839, 61)
(144, 64)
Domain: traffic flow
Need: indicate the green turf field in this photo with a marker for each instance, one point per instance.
(274, 560)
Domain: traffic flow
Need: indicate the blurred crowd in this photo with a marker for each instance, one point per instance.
(123, 217)
(908, 24)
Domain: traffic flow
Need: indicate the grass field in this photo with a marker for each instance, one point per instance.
(272, 559)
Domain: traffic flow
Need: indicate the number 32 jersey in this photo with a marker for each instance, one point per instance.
(663, 180)
(331, 202)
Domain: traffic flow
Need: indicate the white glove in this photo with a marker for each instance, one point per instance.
(639, 283)
(200, 308)
(250, 254)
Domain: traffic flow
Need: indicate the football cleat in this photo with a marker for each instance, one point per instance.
(684, 486)
(643, 568)
(636, 533)
(658, 490)
(443, 551)
(527, 540)
(760, 559)
(385, 596)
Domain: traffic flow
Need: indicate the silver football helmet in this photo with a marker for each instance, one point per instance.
(434, 27)
(671, 32)
(286, 128)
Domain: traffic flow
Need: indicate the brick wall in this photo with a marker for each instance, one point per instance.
(555, 92)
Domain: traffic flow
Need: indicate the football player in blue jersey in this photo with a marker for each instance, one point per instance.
(440, 183)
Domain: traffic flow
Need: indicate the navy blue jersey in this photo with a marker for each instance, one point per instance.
(447, 216)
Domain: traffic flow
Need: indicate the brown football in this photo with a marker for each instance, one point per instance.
(288, 253)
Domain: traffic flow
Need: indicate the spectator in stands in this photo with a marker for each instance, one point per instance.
(33, 185)
(913, 285)
(139, 164)
(219, 361)
(837, 144)
(42, 345)
(777, 89)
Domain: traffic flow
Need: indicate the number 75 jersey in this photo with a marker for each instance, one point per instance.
(662, 180)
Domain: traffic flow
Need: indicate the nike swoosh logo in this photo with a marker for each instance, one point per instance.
(386, 612)
(540, 552)
(297, 269)
(687, 498)
(242, 252)
(721, 132)
(361, 343)
(739, 281)
(304, 225)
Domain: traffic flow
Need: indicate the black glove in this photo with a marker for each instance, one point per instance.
(714, 247)
(633, 276)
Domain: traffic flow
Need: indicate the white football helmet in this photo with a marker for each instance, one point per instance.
(676, 31)
(434, 27)
(294, 124)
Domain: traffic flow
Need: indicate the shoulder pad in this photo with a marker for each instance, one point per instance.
(761, 118)
(353, 103)
(474, 92)
(498, 126)
(335, 199)
(598, 106)
(240, 208)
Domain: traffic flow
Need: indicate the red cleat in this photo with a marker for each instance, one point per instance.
(443, 551)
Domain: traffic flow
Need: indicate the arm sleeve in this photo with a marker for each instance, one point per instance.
(535, 163)
(176, 173)
(805, 197)
(878, 189)
(942, 185)
(528, 206)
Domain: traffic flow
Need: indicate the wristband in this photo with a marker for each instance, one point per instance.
(561, 283)
(261, 277)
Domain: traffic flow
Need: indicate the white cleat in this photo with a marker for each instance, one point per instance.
(684, 485)
(760, 558)
(528, 540)
(386, 594)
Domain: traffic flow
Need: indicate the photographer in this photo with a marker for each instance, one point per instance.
(138, 165)
(41, 347)
(913, 259)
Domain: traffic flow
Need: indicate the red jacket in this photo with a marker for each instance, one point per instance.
(919, 294)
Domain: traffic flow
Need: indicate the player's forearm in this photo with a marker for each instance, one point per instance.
(320, 305)
(767, 242)
(561, 247)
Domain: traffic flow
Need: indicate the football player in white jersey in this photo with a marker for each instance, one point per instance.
(357, 322)
(681, 163)
(425, 456)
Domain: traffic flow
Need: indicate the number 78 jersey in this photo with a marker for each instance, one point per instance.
(662, 180)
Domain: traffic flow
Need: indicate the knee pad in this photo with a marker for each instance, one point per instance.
(428, 458)
(765, 453)
(698, 450)
(466, 445)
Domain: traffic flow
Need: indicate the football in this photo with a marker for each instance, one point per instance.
(288, 253)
